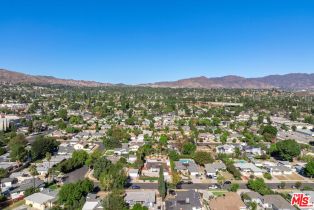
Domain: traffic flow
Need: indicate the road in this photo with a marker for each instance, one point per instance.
(205, 186)
(76, 175)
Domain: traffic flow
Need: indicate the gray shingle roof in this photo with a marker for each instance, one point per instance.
(212, 168)
(278, 202)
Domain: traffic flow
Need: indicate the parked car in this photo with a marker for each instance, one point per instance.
(135, 187)
(186, 182)
(213, 187)
(227, 182)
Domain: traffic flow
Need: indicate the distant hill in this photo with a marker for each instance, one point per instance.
(294, 81)
(12, 77)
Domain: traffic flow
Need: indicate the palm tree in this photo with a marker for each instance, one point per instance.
(48, 158)
(33, 171)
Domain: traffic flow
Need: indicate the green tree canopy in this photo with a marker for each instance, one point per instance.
(42, 145)
(114, 201)
(202, 158)
(287, 149)
(71, 193)
(309, 168)
(188, 148)
(258, 185)
(161, 183)
(139, 207)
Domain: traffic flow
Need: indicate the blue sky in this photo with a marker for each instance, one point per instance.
(156, 40)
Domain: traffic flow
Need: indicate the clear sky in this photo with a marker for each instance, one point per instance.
(156, 40)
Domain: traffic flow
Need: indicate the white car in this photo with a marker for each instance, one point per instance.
(213, 187)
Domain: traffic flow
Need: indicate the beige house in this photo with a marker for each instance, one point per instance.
(40, 201)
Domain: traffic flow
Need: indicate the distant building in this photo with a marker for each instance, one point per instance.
(225, 149)
(7, 120)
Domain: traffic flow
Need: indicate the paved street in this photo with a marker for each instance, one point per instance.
(76, 175)
(205, 186)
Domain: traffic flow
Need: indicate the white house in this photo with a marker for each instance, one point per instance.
(80, 146)
(132, 158)
(41, 200)
(225, 149)
(249, 168)
(279, 170)
(6, 183)
(212, 169)
(133, 173)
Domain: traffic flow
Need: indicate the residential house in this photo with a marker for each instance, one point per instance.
(254, 197)
(133, 173)
(132, 159)
(276, 202)
(213, 168)
(80, 145)
(184, 200)
(279, 170)
(249, 168)
(92, 202)
(230, 201)
(41, 200)
(145, 197)
(206, 137)
(19, 189)
(187, 166)
(225, 149)
(252, 150)
(124, 150)
(284, 163)
(153, 164)
(7, 183)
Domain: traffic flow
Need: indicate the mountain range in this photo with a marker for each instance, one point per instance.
(293, 81)
(13, 77)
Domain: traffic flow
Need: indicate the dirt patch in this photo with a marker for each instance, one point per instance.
(281, 177)
(227, 175)
(294, 176)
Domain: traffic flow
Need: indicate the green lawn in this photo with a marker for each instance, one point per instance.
(146, 178)
(14, 205)
(218, 193)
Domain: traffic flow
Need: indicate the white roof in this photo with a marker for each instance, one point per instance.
(90, 205)
(39, 198)
(249, 166)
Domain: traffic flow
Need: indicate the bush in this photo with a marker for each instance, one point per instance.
(234, 187)
(203, 158)
(233, 170)
(76, 161)
(267, 176)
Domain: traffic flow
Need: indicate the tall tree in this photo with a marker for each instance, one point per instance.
(33, 171)
(48, 158)
(17, 145)
(309, 169)
(114, 201)
(161, 183)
